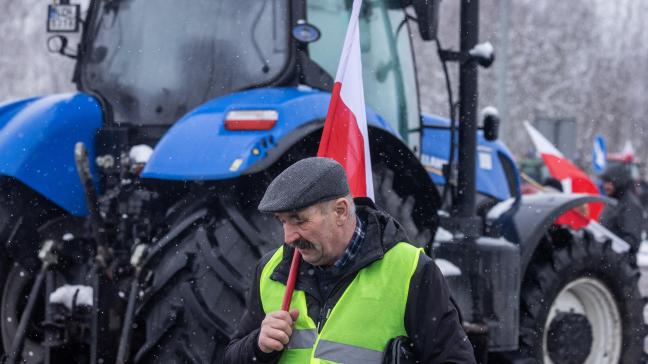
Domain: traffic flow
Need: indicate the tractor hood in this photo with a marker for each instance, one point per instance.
(199, 147)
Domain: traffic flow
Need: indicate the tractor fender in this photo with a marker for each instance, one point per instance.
(525, 220)
(37, 138)
(10, 108)
(198, 147)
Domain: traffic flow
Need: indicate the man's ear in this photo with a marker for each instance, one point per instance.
(341, 210)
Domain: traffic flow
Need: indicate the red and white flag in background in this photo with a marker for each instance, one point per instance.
(628, 151)
(572, 178)
(345, 137)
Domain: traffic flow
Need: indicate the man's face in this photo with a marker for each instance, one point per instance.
(311, 231)
(608, 187)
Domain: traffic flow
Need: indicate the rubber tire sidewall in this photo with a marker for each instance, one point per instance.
(583, 257)
(17, 279)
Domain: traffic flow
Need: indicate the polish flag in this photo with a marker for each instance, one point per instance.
(628, 152)
(572, 178)
(345, 136)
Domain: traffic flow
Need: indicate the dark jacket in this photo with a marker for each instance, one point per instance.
(625, 219)
(431, 320)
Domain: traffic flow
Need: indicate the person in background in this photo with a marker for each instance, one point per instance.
(553, 184)
(625, 219)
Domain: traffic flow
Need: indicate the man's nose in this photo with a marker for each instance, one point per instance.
(290, 233)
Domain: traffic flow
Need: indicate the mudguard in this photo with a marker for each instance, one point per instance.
(495, 164)
(526, 220)
(37, 138)
(198, 147)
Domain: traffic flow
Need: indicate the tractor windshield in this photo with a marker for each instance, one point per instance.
(388, 64)
(155, 60)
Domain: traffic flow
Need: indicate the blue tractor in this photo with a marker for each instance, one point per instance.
(128, 222)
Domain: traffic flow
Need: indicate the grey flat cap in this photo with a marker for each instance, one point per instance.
(305, 183)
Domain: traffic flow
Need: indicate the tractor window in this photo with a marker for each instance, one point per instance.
(388, 65)
(155, 60)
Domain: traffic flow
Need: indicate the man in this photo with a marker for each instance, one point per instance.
(359, 284)
(625, 219)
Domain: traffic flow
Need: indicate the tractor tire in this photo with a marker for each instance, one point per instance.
(580, 303)
(7, 221)
(201, 270)
(19, 281)
(14, 298)
(204, 265)
(12, 278)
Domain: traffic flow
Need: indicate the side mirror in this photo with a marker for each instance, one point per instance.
(427, 13)
(491, 119)
(58, 44)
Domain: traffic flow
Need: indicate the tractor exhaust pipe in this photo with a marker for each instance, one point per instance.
(463, 212)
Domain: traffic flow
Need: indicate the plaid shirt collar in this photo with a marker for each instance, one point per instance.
(354, 245)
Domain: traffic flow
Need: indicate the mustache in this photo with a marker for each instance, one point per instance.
(302, 244)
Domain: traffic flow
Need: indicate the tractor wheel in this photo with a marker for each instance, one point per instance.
(7, 221)
(19, 282)
(14, 299)
(201, 271)
(203, 266)
(580, 303)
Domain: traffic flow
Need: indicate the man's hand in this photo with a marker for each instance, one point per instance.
(276, 330)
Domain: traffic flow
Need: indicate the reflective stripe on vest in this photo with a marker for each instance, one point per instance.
(340, 353)
(303, 339)
(369, 313)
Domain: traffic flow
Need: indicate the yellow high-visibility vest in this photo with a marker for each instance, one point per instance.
(370, 312)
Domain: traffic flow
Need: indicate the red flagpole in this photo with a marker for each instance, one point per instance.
(292, 278)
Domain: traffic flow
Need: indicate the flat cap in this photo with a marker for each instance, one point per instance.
(305, 183)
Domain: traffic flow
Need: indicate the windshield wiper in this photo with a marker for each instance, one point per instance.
(257, 48)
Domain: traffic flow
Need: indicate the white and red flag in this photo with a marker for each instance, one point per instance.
(628, 151)
(345, 137)
(572, 178)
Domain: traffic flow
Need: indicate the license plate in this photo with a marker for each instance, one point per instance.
(63, 18)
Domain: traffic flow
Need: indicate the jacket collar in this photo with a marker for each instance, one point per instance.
(382, 232)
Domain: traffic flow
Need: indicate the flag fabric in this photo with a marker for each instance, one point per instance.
(572, 178)
(345, 136)
(628, 151)
(599, 155)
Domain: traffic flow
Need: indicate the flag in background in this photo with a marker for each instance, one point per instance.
(599, 154)
(345, 137)
(572, 178)
(628, 151)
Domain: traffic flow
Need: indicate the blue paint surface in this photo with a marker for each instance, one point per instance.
(198, 147)
(435, 148)
(37, 138)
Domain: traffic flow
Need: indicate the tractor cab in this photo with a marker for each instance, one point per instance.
(149, 68)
